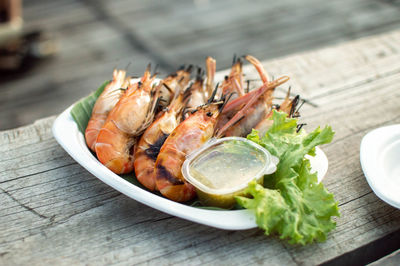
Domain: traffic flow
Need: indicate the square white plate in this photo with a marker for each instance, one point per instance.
(72, 140)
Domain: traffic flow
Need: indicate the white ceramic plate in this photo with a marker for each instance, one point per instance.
(68, 136)
(380, 161)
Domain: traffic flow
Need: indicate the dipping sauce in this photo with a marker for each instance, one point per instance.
(227, 165)
(222, 169)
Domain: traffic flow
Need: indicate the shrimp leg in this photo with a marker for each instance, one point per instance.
(244, 112)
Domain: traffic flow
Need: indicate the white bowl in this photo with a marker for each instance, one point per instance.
(72, 140)
(380, 161)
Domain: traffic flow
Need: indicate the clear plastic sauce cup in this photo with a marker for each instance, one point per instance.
(222, 168)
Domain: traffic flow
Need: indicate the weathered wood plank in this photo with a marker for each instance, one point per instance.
(55, 212)
(96, 52)
(266, 30)
(96, 36)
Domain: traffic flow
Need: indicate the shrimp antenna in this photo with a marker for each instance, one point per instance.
(293, 112)
(148, 68)
(234, 59)
(158, 103)
(213, 94)
(288, 91)
(189, 88)
(299, 126)
(186, 94)
(302, 103)
(298, 108)
(127, 66)
(168, 87)
(155, 70)
(180, 80)
(248, 86)
(186, 97)
(200, 75)
(189, 68)
(225, 99)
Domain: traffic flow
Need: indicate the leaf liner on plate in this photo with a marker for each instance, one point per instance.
(291, 203)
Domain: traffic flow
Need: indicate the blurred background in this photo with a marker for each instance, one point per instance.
(54, 52)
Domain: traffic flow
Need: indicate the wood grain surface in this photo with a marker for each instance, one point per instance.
(55, 212)
(95, 36)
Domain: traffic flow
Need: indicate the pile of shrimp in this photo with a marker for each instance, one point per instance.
(149, 126)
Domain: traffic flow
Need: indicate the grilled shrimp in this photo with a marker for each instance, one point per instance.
(190, 135)
(233, 84)
(129, 118)
(198, 96)
(236, 105)
(153, 138)
(174, 82)
(106, 101)
(288, 106)
(252, 112)
(261, 105)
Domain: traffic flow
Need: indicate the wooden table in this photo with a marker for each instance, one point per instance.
(95, 36)
(55, 212)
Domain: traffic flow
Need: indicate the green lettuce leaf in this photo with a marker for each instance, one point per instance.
(82, 110)
(292, 203)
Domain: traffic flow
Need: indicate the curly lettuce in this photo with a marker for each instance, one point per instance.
(292, 203)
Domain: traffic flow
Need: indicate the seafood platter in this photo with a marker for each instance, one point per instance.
(210, 151)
